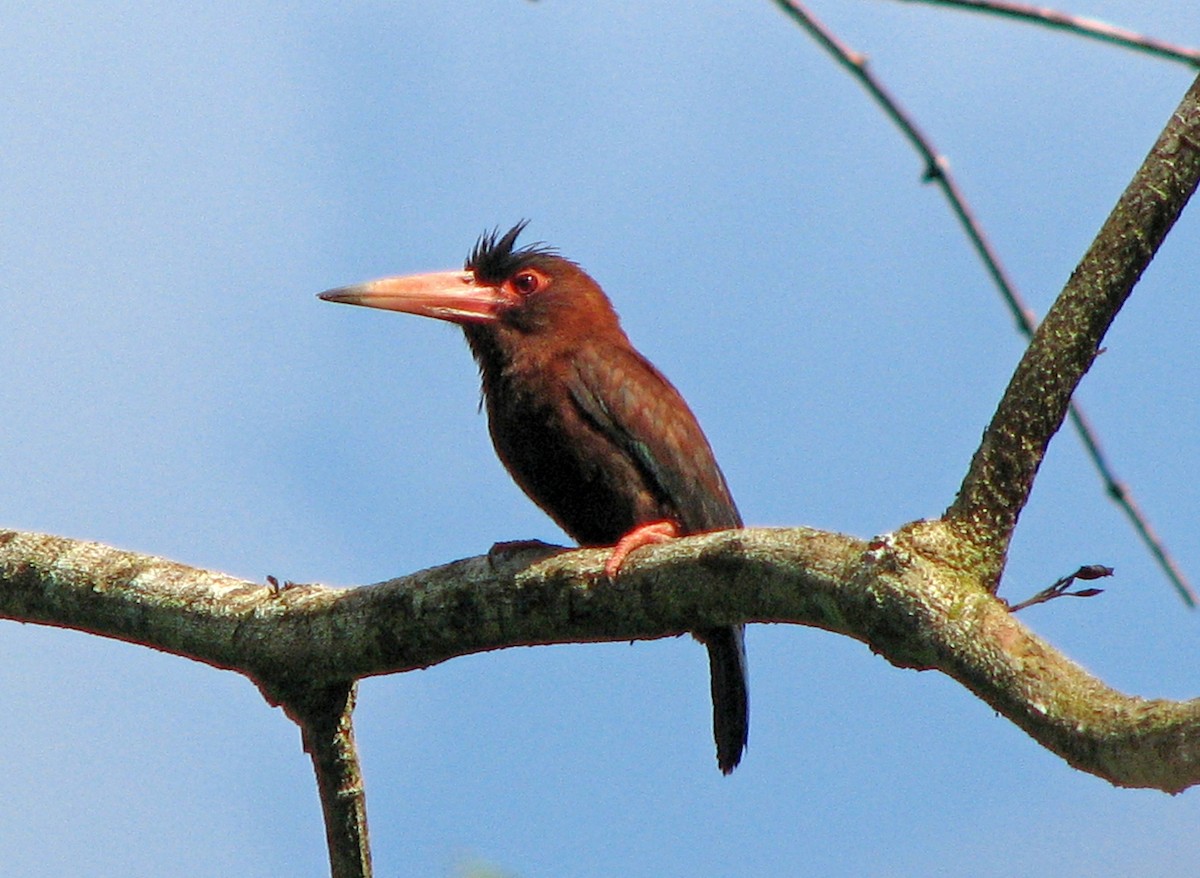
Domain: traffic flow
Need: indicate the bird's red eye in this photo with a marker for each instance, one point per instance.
(525, 283)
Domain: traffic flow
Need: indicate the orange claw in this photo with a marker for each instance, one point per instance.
(642, 535)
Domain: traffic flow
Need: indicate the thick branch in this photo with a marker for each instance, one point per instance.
(1001, 475)
(938, 171)
(912, 597)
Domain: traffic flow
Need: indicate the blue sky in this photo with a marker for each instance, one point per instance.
(178, 182)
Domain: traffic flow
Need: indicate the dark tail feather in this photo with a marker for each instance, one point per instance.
(730, 692)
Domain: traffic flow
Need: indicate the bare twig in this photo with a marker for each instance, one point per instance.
(1059, 588)
(324, 714)
(1078, 24)
(937, 170)
(1118, 491)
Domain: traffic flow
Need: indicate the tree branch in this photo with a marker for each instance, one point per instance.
(911, 596)
(938, 172)
(1077, 24)
(325, 717)
(1037, 398)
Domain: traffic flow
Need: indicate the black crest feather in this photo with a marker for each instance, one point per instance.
(494, 258)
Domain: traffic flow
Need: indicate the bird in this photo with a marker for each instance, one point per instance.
(588, 428)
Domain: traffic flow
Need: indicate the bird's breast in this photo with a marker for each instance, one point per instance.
(572, 471)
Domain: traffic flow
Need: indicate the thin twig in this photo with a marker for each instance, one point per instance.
(1059, 588)
(1077, 24)
(937, 170)
(1119, 492)
(325, 717)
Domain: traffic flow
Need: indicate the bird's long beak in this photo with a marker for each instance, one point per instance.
(447, 295)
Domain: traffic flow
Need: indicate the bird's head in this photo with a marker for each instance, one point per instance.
(503, 293)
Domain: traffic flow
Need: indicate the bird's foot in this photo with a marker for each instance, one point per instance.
(642, 535)
(275, 585)
(508, 550)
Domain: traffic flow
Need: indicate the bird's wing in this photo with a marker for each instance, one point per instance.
(636, 408)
